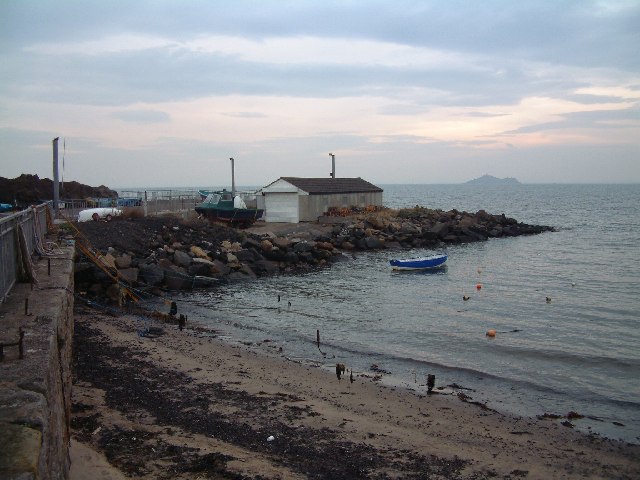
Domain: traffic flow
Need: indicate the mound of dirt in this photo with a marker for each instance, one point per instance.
(142, 235)
(28, 189)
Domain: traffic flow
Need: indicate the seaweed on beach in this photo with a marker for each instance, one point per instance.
(137, 388)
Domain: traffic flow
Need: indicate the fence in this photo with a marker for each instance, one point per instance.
(152, 202)
(33, 222)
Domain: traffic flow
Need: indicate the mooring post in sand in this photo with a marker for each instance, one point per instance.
(431, 381)
(318, 338)
(182, 320)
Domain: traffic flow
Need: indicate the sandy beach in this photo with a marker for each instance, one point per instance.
(184, 404)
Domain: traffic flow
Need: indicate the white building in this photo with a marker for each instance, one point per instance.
(294, 199)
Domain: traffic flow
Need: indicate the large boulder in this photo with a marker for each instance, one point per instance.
(281, 242)
(129, 274)
(441, 229)
(373, 243)
(198, 252)
(219, 268)
(182, 259)
(266, 245)
(301, 247)
(409, 228)
(152, 274)
(123, 261)
(176, 278)
(108, 260)
(265, 267)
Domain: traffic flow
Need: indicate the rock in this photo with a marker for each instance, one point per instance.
(176, 279)
(306, 257)
(198, 252)
(199, 269)
(291, 257)
(182, 259)
(265, 267)
(360, 243)
(231, 258)
(410, 229)
(359, 232)
(374, 243)
(129, 274)
(324, 246)
(322, 254)
(229, 247)
(108, 260)
(348, 245)
(249, 243)
(219, 268)
(301, 247)
(249, 255)
(246, 269)
(152, 274)
(441, 229)
(123, 261)
(281, 242)
(266, 246)
(202, 261)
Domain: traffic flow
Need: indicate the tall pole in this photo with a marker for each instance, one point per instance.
(56, 185)
(233, 180)
(333, 165)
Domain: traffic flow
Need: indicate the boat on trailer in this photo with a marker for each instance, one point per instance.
(225, 207)
(421, 263)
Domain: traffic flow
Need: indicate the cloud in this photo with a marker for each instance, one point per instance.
(141, 116)
(422, 82)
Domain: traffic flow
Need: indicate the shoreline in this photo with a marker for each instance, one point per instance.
(183, 403)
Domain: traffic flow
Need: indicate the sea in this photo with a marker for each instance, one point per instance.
(565, 306)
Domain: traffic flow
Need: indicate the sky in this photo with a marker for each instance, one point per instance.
(162, 93)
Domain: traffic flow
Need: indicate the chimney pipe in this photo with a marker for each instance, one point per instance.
(333, 165)
(56, 184)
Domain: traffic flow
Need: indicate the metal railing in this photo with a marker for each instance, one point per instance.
(33, 222)
(151, 202)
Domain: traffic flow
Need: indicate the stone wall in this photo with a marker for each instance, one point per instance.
(35, 391)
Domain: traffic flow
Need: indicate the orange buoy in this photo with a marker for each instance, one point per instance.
(491, 333)
(479, 286)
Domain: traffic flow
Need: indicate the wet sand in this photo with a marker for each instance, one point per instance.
(184, 405)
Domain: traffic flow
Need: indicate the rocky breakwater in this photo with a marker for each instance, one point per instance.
(425, 228)
(167, 253)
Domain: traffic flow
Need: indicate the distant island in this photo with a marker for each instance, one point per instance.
(489, 180)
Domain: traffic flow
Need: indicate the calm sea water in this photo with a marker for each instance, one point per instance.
(580, 352)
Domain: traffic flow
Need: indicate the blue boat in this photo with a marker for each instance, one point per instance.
(434, 261)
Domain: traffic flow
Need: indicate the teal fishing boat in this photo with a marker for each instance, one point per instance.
(225, 207)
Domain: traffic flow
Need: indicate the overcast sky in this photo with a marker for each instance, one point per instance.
(162, 93)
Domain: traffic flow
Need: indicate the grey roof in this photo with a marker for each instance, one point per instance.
(317, 186)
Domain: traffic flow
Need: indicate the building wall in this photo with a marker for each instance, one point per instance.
(313, 206)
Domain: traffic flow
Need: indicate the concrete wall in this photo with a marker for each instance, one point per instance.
(35, 392)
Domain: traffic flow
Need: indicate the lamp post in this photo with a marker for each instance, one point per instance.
(56, 185)
(233, 180)
(333, 165)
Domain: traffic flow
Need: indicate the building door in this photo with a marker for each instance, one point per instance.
(281, 207)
